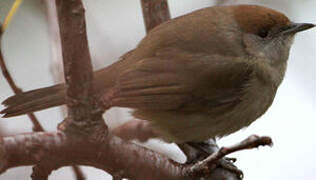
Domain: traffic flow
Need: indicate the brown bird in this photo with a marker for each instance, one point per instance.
(202, 75)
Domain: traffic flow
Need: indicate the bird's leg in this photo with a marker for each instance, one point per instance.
(197, 151)
(193, 155)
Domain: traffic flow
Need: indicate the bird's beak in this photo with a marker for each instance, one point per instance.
(297, 27)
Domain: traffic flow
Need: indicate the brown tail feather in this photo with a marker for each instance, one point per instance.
(34, 100)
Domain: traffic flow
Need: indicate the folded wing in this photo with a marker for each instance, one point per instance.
(175, 79)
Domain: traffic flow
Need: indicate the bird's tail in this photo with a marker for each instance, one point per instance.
(34, 100)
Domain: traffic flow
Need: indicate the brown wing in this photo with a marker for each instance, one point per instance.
(179, 80)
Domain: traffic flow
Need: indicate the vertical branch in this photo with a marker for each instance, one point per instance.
(56, 54)
(76, 55)
(155, 12)
(77, 65)
(82, 116)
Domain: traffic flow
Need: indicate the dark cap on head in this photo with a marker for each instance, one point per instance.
(259, 20)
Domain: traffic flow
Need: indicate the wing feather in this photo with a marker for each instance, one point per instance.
(180, 80)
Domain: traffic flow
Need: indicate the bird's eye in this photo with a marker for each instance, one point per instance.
(263, 33)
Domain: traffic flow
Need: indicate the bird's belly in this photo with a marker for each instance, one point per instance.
(179, 127)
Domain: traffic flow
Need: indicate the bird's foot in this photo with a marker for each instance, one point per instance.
(196, 152)
(228, 164)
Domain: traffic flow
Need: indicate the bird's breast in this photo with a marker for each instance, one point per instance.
(257, 99)
(179, 127)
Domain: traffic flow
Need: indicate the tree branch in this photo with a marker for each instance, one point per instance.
(155, 12)
(83, 110)
(111, 156)
(57, 54)
(83, 113)
(114, 156)
(249, 143)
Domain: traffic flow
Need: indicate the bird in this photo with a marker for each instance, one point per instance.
(202, 75)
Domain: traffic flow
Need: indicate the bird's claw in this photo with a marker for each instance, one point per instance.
(227, 163)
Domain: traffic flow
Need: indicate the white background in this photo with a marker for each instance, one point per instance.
(116, 26)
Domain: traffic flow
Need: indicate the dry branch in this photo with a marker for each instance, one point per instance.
(37, 127)
(82, 106)
(249, 143)
(114, 156)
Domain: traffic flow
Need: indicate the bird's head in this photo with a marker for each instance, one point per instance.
(267, 32)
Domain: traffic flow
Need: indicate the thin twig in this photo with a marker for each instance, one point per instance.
(11, 13)
(36, 125)
(78, 173)
(249, 143)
